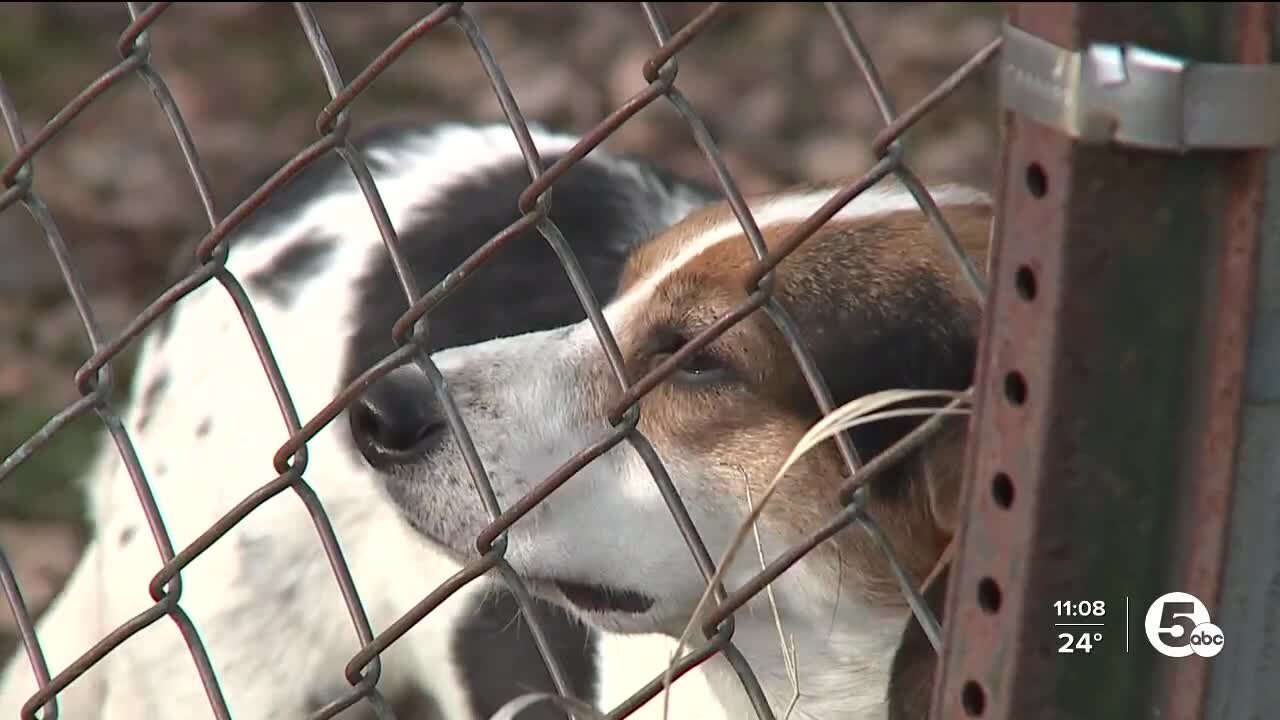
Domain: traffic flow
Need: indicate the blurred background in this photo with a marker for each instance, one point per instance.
(772, 80)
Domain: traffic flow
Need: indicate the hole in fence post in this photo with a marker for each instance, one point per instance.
(1002, 490)
(973, 699)
(989, 595)
(1025, 282)
(1015, 387)
(1037, 181)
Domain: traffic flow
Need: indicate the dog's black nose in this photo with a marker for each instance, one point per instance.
(398, 419)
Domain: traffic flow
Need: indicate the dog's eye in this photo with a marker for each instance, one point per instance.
(702, 363)
(702, 366)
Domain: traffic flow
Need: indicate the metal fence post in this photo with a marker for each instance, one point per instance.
(1109, 396)
(1242, 684)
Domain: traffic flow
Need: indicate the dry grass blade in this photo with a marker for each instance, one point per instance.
(861, 411)
(788, 646)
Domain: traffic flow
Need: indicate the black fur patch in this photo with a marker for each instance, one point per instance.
(279, 278)
(149, 397)
(414, 704)
(499, 661)
(411, 704)
(203, 428)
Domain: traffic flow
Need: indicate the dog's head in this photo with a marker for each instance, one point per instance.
(878, 301)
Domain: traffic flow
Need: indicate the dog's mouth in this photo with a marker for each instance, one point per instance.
(599, 598)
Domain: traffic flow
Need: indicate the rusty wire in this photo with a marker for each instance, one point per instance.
(94, 378)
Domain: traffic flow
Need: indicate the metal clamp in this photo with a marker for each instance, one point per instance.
(1138, 97)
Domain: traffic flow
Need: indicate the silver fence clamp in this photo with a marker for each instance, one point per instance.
(1137, 97)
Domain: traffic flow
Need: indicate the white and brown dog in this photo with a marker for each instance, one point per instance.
(877, 299)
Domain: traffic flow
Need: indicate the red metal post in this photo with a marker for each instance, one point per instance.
(1101, 465)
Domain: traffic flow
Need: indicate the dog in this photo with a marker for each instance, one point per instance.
(879, 302)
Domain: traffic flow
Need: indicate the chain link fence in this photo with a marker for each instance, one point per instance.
(95, 380)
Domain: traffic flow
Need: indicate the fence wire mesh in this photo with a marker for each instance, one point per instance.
(95, 379)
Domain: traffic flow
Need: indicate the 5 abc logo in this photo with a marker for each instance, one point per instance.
(1178, 625)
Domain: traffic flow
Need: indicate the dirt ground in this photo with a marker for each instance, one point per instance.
(773, 81)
